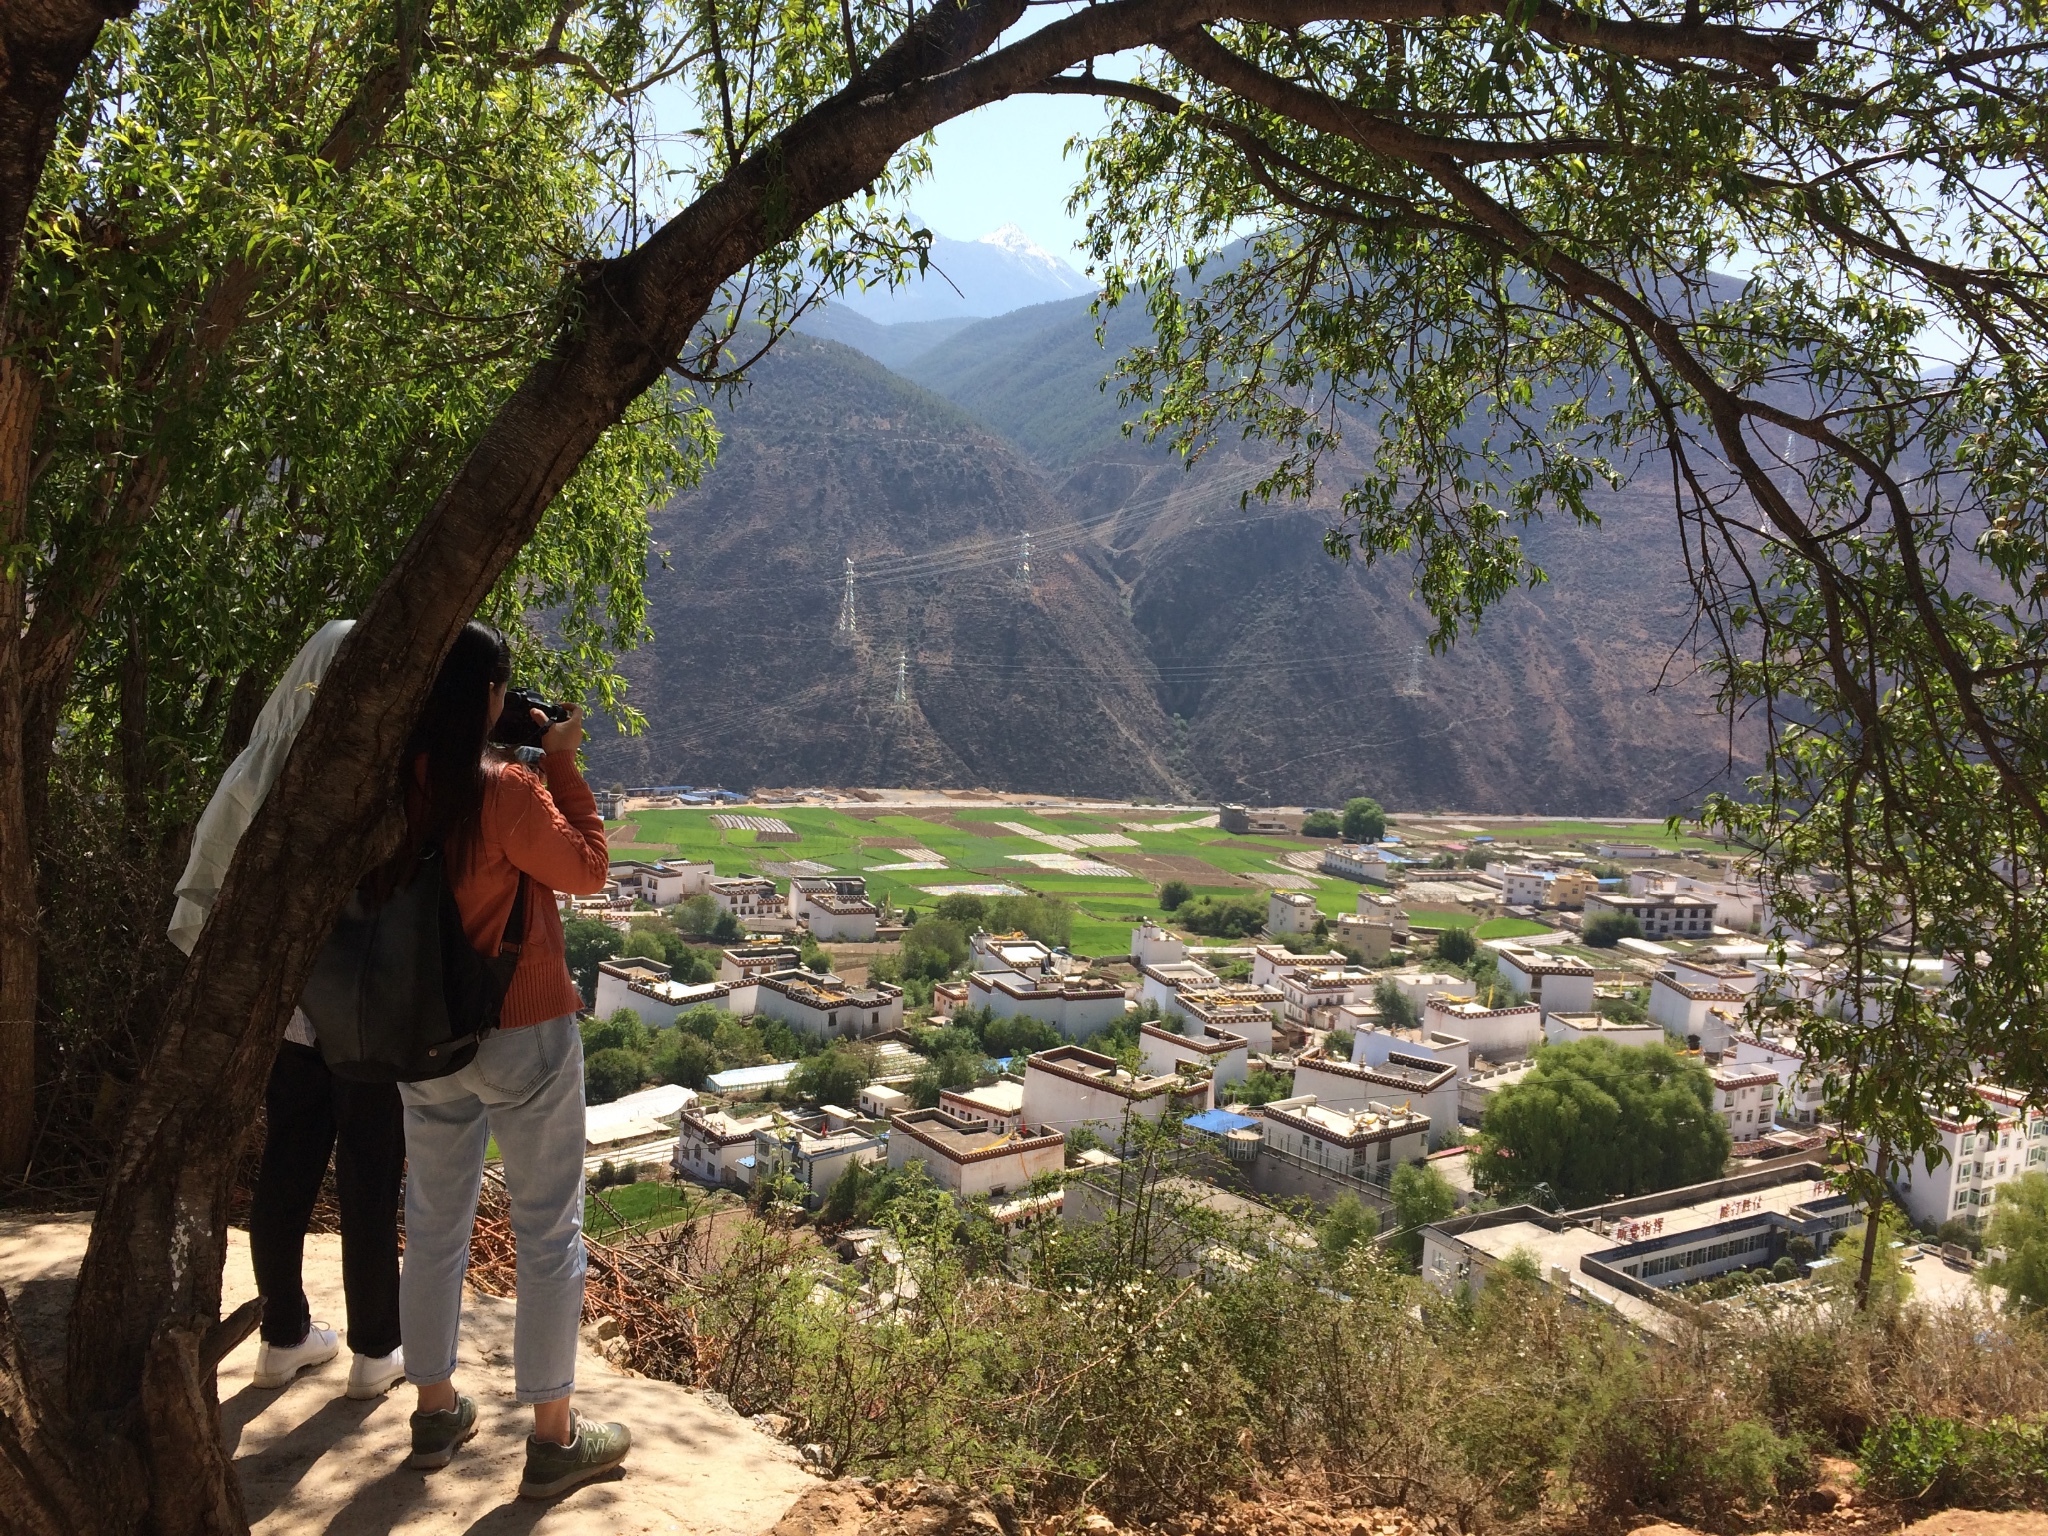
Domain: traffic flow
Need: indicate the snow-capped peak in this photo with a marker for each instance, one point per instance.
(1013, 242)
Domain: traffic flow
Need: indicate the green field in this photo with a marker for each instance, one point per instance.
(645, 1207)
(976, 850)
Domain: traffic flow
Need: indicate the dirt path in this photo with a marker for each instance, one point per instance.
(313, 1463)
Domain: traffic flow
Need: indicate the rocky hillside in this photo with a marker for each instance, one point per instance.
(1170, 642)
(750, 680)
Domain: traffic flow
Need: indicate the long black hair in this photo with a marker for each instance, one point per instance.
(450, 735)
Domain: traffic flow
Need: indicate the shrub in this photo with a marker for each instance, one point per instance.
(1935, 1460)
(1395, 1008)
(1260, 1086)
(934, 949)
(1609, 929)
(1222, 917)
(1421, 1196)
(680, 1057)
(1344, 1225)
(1456, 945)
(2019, 1225)
(1322, 824)
(622, 1031)
(1173, 894)
(612, 1074)
(833, 1076)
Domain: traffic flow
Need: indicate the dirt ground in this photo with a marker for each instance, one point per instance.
(312, 1463)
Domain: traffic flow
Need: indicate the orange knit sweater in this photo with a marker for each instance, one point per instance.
(553, 835)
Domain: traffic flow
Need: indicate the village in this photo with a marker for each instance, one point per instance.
(1292, 1070)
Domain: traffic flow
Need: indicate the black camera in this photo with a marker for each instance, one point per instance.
(516, 726)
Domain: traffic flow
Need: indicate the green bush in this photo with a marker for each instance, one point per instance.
(1935, 1460)
(834, 1076)
(1364, 821)
(1456, 945)
(1259, 1086)
(1222, 917)
(1173, 895)
(612, 1074)
(1322, 824)
(1609, 929)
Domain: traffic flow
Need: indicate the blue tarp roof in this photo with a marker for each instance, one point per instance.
(1219, 1122)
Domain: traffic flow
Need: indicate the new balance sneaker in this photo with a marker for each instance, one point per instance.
(277, 1364)
(374, 1375)
(436, 1435)
(553, 1469)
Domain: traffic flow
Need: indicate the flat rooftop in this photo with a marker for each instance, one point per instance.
(1576, 1235)
(1005, 1096)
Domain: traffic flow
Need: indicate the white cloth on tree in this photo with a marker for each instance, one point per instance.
(243, 789)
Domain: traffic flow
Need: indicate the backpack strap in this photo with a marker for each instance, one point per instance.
(515, 922)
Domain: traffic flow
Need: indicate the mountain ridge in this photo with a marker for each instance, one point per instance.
(1171, 641)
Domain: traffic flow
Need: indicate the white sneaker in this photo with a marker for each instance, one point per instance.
(277, 1364)
(374, 1375)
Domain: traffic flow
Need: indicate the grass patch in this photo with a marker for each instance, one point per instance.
(644, 1207)
(1507, 928)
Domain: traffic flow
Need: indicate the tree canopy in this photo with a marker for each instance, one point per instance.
(1364, 821)
(2019, 1226)
(1595, 1121)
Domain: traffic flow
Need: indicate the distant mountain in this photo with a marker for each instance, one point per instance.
(749, 679)
(972, 279)
(893, 346)
(1169, 640)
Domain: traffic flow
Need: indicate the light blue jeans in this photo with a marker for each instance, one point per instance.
(526, 1088)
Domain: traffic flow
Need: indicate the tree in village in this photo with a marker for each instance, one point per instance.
(1364, 821)
(1487, 231)
(1595, 1121)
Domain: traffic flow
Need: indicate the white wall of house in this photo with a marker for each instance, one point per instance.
(1553, 983)
(853, 924)
(1343, 1091)
(994, 1175)
(1687, 1011)
(1077, 1012)
(1061, 1104)
(1162, 984)
(1165, 1052)
(1290, 912)
(1154, 945)
(1370, 1047)
(1498, 1034)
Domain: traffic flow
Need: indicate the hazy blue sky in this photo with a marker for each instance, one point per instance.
(1003, 165)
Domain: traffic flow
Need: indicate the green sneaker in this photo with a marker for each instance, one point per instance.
(436, 1435)
(553, 1469)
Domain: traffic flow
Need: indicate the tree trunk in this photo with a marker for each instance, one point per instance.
(1864, 1266)
(20, 400)
(43, 44)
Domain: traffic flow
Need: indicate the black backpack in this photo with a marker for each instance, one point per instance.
(397, 995)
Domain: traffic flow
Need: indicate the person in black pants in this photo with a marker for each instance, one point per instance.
(313, 1114)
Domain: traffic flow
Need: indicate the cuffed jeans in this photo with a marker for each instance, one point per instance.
(312, 1114)
(525, 1087)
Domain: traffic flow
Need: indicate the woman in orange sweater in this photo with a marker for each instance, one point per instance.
(502, 825)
